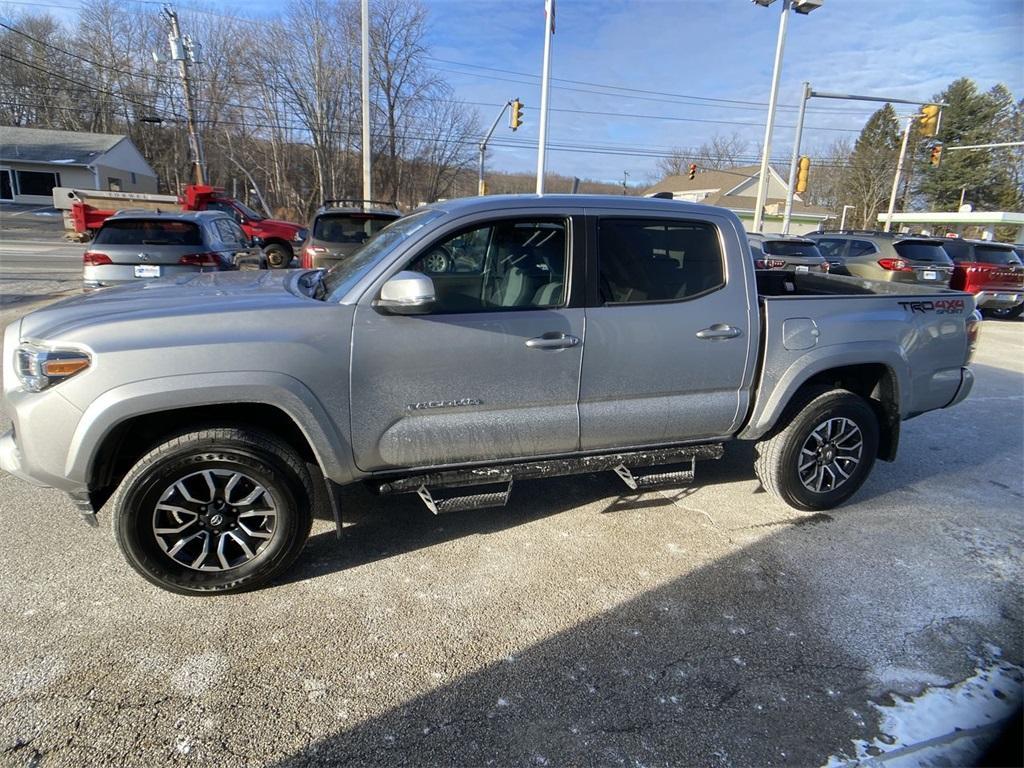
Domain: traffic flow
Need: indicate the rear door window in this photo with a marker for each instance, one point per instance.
(657, 260)
(347, 227)
(229, 232)
(922, 250)
(149, 232)
(861, 248)
(831, 249)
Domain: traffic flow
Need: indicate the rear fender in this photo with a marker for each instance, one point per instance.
(777, 390)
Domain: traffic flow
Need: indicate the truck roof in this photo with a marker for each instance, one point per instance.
(505, 202)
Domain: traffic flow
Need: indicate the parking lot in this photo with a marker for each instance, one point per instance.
(582, 624)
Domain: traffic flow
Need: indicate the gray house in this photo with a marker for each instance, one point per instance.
(33, 161)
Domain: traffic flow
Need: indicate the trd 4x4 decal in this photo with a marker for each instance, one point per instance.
(940, 307)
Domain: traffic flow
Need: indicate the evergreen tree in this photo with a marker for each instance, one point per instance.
(984, 176)
(868, 178)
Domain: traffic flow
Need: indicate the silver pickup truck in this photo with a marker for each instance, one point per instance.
(470, 344)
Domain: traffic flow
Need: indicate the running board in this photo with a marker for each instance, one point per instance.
(466, 502)
(506, 473)
(652, 480)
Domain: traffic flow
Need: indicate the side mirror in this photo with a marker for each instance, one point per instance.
(407, 293)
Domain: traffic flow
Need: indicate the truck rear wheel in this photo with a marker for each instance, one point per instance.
(278, 256)
(823, 454)
(214, 511)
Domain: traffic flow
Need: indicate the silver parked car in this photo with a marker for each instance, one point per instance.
(142, 245)
(785, 252)
(887, 256)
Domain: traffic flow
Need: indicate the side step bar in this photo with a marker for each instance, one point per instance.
(623, 464)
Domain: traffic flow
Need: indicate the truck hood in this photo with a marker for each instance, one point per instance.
(202, 293)
(276, 226)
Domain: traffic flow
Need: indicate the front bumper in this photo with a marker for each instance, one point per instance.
(966, 383)
(10, 459)
(998, 299)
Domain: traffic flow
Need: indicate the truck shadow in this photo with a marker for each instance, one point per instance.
(741, 661)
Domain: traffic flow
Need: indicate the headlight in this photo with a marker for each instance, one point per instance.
(38, 367)
(299, 236)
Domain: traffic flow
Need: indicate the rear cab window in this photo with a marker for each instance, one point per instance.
(148, 232)
(645, 260)
(991, 254)
(791, 248)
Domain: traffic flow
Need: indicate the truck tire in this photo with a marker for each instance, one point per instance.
(214, 511)
(823, 452)
(1010, 313)
(278, 256)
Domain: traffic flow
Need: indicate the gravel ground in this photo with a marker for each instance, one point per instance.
(580, 625)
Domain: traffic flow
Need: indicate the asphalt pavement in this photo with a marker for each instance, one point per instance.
(581, 625)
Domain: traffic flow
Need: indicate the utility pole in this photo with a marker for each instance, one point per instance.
(842, 222)
(183, 53)
(625, 181)
(766, 147)
(549, 30)
(365, 72)
(899, 171)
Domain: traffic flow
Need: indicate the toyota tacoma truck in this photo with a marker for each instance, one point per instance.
(469, 345)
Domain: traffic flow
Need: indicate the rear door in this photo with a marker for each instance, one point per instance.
(671, 331)
(492, 372)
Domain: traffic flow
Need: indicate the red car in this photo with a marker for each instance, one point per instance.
(992, 272)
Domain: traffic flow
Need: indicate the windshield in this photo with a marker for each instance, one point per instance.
(148, 232)
(791, 248)
(922, 250)
(248, 212)
(348, 227)
(345, 274)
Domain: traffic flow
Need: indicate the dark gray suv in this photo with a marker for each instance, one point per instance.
(142, 245)
(886, 256)
(785, 252)
(337, 231)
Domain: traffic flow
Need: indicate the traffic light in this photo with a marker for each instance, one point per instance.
(516, 118)
(935, 157)
(803, 170)
(929, 125)
(693, 171)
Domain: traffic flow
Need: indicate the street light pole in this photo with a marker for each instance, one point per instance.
(762, 183)
(549, 29)
(793, 160)
(842, 221)
(899, 171)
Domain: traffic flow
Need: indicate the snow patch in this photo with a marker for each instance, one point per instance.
(939, 714)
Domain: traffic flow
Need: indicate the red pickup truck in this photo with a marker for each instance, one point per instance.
(87, 209)
(992, 272)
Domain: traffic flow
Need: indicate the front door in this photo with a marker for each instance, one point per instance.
(492, 372)
(6, 186)
(669, 345)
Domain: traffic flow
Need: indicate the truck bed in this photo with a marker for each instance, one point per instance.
(783, 284)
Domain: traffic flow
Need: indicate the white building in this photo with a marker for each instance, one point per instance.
(33, 161)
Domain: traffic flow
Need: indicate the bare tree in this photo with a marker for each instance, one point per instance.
(715, 154)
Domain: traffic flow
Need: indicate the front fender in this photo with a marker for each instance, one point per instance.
(777, 387)
(168, 393)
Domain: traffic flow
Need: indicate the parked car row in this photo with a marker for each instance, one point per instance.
(993, 272)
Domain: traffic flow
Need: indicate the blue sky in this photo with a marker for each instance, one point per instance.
(718, 49)
(491, 50)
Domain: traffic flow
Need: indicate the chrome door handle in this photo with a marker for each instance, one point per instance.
(553, 340)
(719, 331)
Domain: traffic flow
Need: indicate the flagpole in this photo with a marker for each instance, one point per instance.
(549, 28)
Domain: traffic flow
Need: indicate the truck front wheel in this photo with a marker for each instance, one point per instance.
(278, 256)
(823, 454)
(214, 511)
